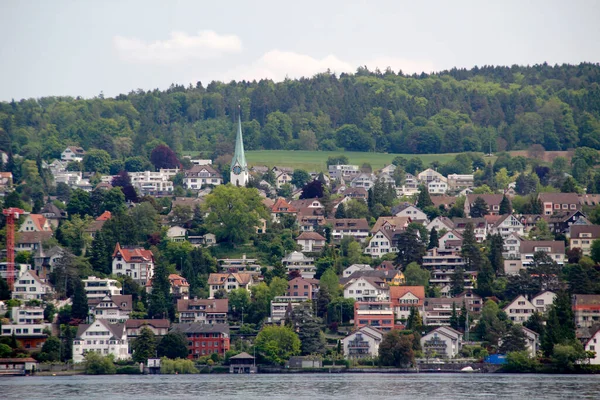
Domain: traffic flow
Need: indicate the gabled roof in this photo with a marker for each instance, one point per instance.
(76, 149)
(242, 356)
(123, 302)
(461, 223)
(516, 299)
(39, 221)
(117, 330)
(577, 230)
(242, 278)
(218, 306)
(178, 280)
(490, 199)
(33, 237)
(282, 206)
(310, 236)
(202, 328)
(556, 246)
(586, 300)
(560, 198)
(50, 208)
(375, 281)
(349, 223)
(397, 292)
(105, 216)
(133, 255)
(196, 169)
(398, 223)
(155, 323)
(447, 201)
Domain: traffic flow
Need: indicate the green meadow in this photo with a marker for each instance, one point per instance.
(315, 160)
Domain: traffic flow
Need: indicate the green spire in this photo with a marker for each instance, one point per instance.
(238, 156)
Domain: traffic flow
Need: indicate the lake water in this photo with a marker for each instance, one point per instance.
(304, 386)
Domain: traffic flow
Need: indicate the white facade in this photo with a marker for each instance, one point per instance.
(364, 181)
(280, 304)
(593, 344)
(343, 171)
(440, 223)
(148, 182)
(297, 261)
(98, 288)
(519, 310)
(27, 315)
(443, 342)
(405, 304)
(543, 301)
(102, 338)
(430, 175)
(508, 226)
(511, 248)
(437, 186)
(136, 263)
(72, 153)
(379, 245)
(30, 287)
(282, 179)
(362, 343)
(113, 309)
(364, 289)
(356, 267)
(176, 234)
(413, 212)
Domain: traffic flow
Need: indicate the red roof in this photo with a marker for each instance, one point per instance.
(133, 255)
(396, 292)
(282, 206)
(105, 216)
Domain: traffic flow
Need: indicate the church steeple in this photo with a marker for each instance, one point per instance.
(239, 167)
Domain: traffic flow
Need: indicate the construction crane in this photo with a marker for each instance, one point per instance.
(12, 214)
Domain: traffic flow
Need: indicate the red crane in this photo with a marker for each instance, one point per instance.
(11, 214)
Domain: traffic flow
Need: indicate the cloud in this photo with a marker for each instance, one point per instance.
(277, 65)
(179, 47)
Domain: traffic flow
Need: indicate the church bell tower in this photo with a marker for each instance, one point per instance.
(239, 169)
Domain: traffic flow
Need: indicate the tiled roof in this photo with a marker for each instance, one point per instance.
(156, 323)
(242, 278)
(105, 216)
(33, 237)
(282, 206)
(310, 236)
(490, 199)
(560, 198)
(556, 246)
(211, 305)
(399, 223)
(577, 230)
(201, 328)
(397, 292)
(133, 255)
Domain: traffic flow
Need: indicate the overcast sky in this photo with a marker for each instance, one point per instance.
(85, 47)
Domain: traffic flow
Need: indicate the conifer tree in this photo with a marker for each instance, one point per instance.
(160, 304)
(424, 199)
(341, 211)
(470, 249)
(454, 317)
(496, 246)
(433, 239)
(79, 309)
(505, 206)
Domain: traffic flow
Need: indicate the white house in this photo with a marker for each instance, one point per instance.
(229, 282)
(593, 344)
(199, 176)
(30, 286)
(114, 309)
(554, 248)
(450, 240)
(442, 342)
(367, 289)
(364, 181)
(519, 310)
(408, 210)
(430, 175)
(310, 242)
(362, 343)
(543, 301)
(380, 244)
(103, 338)
(282, 178)
(437, 186)
(137, 263)
(356, 267)
(297, 261)
(72, 153)
(506, 225)
(441, 223)
(511, 248)
(35, 223)
(176, 234)
(98, 288)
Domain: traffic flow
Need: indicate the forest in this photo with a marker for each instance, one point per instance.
(490, 108)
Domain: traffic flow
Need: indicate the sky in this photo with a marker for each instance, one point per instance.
(88, 47)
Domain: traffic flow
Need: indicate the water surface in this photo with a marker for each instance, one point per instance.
(304, 386)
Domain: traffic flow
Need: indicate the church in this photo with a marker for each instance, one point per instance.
(239, 169)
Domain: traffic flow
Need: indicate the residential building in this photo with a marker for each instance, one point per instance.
(378, 315)
(244, 264)
(283, 178)
(238, 174)
(281, 305)
(554, 248)
(559, 202)
(437, 186)
(391, 224)
(343, 171)
(519, 310)
(411, 211)
(97, 224)
(31, 241)
(450, 240)
(532, 341)
(354, 268)
(410, 187)
(176, 234)
(406, 298)
(150, 183)
(200, 176)
(72, 153)
(112, 308)
(203, 311)
(460, 181)
(303, 287)
(443, 263)
(506, 225)
(103, 338)
(437, 311)
(363, 180)
(543, 301)
(356, 228)
(440, 224)
(229, 282)
(442, 342)
(6, 182)
(159, 327)
(492, 201)
(362, 343)
(296, 261)
(593, 345)
(430, 175)
(53, 214)
(26, 315)
(586, 308)
(206, 240)
(480, 227)
(205, 339)
(512, 247)
(137, 263)
(281, 208)
(35, 223)
(30, 286)
(582, 237)
(31, 336)
(310, 242)
(178, 286)
(45, 260)
(367, 289)
(98, 288)
(356, 193)
(561, 222)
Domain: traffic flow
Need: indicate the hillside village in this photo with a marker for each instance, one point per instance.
(186, 259)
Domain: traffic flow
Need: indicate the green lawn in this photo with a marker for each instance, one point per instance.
(315, 160)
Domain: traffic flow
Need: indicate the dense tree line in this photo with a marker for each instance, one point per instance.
(506, 108)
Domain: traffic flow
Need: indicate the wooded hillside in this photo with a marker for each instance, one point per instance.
(450, 111)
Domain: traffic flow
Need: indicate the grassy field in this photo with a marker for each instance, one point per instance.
(315, 160)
